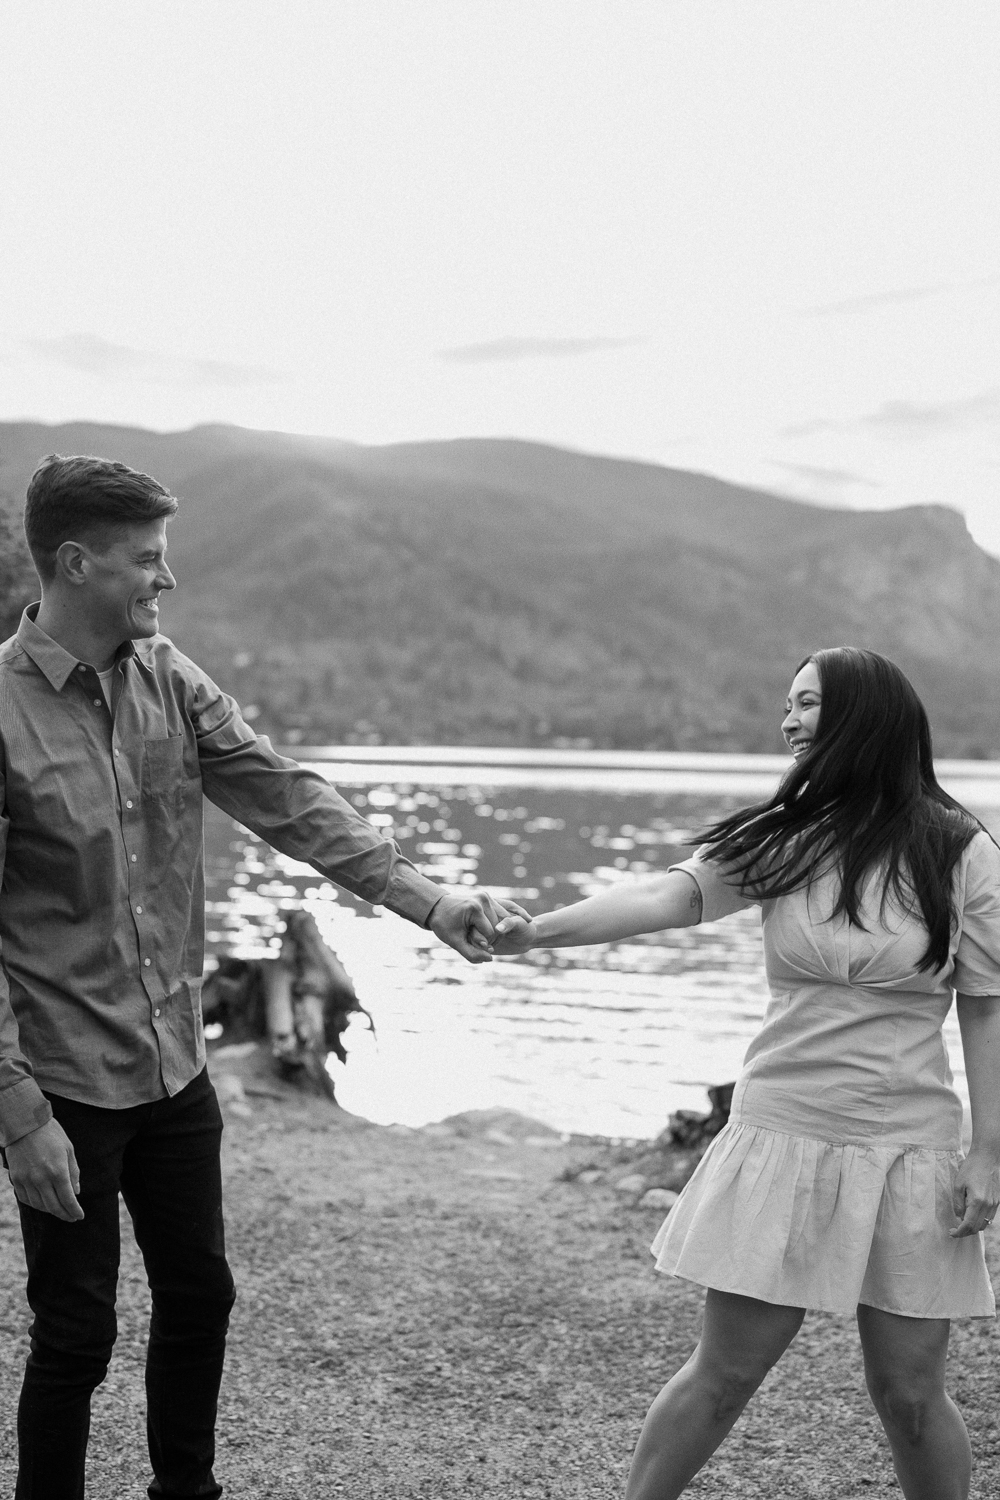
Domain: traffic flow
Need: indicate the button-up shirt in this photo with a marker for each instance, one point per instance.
(101, 855)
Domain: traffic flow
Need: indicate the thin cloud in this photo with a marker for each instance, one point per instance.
(873, 301)
(496, 350)
(911, 418)
(918, 417)
(835, 478)
(815, 425)
(97, 356)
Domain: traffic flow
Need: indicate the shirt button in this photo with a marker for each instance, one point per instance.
(81, 668)
(97, 702)
(156, 1012)
(128, 804)
(146, 963)
(139, 910)
(116, 752)
(134, 858)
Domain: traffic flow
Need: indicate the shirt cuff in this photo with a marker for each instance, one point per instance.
(410, 894)
(23, 1108)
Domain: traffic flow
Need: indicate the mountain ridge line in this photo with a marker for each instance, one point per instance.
(496, 591)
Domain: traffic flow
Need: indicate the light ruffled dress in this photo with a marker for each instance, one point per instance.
(831, 1185)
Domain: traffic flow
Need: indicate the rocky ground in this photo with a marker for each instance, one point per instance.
(469, 1311)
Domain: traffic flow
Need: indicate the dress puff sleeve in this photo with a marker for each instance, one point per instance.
(720, 896)
(977, 958)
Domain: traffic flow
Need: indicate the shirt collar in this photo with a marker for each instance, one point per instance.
(52, 660)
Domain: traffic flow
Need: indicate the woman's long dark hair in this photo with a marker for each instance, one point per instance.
(863, 797)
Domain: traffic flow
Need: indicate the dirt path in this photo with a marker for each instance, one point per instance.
(425, 1315)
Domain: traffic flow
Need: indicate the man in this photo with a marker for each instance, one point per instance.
(108, 739)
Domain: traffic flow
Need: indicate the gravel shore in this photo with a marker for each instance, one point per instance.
(437, 1314)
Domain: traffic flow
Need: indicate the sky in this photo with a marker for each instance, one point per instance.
(759, 240)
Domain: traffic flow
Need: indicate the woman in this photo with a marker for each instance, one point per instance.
(839, 1182)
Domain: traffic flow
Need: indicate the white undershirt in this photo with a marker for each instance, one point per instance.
(105, 678)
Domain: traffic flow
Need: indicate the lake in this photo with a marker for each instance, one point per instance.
(605, 1040)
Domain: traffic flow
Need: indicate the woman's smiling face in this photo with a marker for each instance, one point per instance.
(801, 720)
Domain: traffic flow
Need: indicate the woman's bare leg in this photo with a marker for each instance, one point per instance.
(740, 1341)
(904, 1368)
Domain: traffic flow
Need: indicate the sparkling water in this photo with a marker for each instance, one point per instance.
(603, 1040)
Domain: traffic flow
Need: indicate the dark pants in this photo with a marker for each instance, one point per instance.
(164, 1159)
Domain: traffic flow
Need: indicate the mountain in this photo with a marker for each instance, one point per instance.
(493, 591)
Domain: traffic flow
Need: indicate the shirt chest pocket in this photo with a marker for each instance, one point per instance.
(163, 772)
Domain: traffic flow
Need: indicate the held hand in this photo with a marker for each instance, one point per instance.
(467, 923)
(976, 1193)
(515, 934)
(44, 1173)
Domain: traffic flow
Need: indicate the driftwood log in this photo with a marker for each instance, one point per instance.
(299, 1003)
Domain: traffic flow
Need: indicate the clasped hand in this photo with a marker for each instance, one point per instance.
(470, 923)
(515, 934)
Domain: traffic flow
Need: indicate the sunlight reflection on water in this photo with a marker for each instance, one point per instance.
(601, 1040)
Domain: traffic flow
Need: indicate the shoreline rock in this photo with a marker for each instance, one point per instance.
(647, 1172)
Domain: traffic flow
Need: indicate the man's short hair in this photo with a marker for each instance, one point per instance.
(80, 498)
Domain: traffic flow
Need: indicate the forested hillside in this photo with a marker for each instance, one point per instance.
(500, 592)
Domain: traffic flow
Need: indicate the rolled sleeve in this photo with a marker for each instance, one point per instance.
(297, 811)
(977, 957)
(23, 1106)
(720, 894)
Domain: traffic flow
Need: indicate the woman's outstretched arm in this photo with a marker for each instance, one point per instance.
(646, 905)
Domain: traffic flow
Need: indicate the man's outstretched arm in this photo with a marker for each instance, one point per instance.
(299, 813)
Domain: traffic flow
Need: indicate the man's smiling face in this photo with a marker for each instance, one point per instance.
(127, 572)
